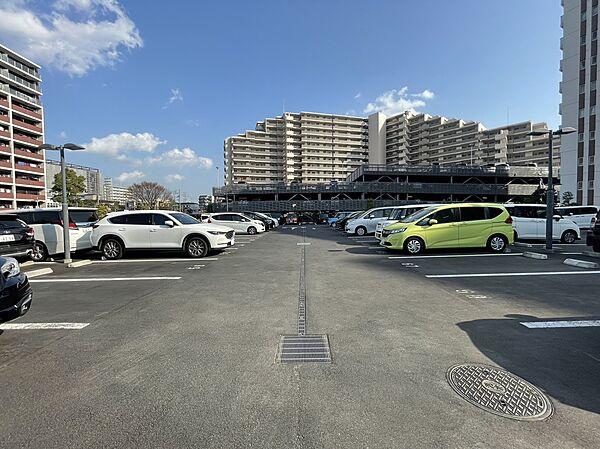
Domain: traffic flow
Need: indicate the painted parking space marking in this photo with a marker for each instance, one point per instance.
(152, 260)
(535, 273)
(196, 267)
(32, 326)
(560, 324)
(445, 256)
(142, 278)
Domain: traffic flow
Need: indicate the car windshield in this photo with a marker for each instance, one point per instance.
(184, 218)
(417, 215)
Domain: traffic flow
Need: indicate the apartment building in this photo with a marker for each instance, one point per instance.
(579, 173)
(310, 147)
(22, 181)
(114, 193)
(93, 178)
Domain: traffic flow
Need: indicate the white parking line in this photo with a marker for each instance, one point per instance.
(142, 278)
(491, 275)
(28, 326)
(153, 260)
(555, 324)
(453, 255)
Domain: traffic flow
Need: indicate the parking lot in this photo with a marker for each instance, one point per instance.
(167, 351)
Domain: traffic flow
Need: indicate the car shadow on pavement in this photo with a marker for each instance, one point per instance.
(563, 362)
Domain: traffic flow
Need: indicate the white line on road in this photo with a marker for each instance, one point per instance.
(154, 260)
(486, 275)
(454, 255)
(554, 324)
(28, 326)
(143, 278)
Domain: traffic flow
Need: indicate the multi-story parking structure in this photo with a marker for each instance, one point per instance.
(22, 170)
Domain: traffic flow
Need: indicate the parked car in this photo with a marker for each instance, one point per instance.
(240, 223)
(158, 230)
(267, 221)
(367, 222)
(398, 214)
(47, 225)
(16, 294)
(593, 236)
(581, 215)
(341, 223)
(477, 225)
(529, 223)
(274, 221)
(332, 220)
(16, 237)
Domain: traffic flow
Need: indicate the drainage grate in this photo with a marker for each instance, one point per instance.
(499, 392)
(304, 348)
(302, 295)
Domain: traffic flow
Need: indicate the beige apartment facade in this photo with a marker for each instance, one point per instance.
(311, 147)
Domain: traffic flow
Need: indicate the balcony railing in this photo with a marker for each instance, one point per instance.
(18, 65)
(6, 195)
(6, 179)
(29, 197)
(26, 111)
(29, 182)
(22, 124)
(29, 168)
(27, 139)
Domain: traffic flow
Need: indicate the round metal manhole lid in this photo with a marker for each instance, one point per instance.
(499, 392)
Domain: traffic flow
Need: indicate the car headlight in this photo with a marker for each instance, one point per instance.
(10, 268)
(397, 231)
(217, 232)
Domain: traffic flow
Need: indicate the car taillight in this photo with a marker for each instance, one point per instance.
(30, 232)
(509, 220)
(71, 225)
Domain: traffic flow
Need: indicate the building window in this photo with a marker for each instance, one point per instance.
(592, 135)
(594, 10)
(583, 40)
(581, 137)
(580, 161)
(594, 59)
(583, 15)
(590, 184)
(594, 35)
(591, 162)
(592, 85)
(581, 90)
(592, 110)
(582, 64)
(579, 185)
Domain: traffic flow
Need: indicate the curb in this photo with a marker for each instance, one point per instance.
(526, 245)
(535, 255)
(580, 263)
(40, 272)
(593, 254)
(79, 263)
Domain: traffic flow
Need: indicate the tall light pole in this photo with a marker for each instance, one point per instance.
(550, 182)
(65, 204)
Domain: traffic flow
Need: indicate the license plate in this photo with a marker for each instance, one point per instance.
(7, 238)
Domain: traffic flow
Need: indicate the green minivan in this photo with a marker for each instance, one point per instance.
(466, 225)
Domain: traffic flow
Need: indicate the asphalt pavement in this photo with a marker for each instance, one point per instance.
(172, 352)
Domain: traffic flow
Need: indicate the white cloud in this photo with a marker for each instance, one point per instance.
(76, 36)
(357, 96)
(62, 135)
(185, 157)
(176, 95)
(118, 145)
(193, 122)
(131, 176)
(396, 101)
(174, 178)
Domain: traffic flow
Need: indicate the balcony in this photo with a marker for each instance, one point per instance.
(6, 164)
(26, 111)
(4, 102)
(4, 119)
(28, 182)
(27, 139)
(6, 179)
(6, 195)
(29, 197)
(22, 124)
(5, 134)
(29, 154)
(29, 168)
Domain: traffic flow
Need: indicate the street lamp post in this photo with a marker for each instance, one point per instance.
(65, 204)
(550, 182)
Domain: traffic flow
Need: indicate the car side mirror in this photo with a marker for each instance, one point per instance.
(169, 223)
(557, 217)
(432, 221)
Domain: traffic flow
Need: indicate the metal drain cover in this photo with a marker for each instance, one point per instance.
(499, 392)
(303, 348)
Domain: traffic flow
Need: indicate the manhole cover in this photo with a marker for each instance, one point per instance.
(499, 392)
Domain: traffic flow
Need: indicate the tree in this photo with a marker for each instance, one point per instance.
(75, 187)
(567, 198)
(150, 195)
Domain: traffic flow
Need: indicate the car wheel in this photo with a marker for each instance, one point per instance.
(251, 230)
(39, 252)
(112, 249)
(414, 245)
(361, 230)
(196, 247)
(596, 247)
(568, 237)
(516, 235)
(497, 243)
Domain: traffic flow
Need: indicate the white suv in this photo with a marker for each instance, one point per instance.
(529, 223)
(239, 222)
(158, 229)
(366, 222)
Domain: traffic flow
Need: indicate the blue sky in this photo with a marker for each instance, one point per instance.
(153, 88)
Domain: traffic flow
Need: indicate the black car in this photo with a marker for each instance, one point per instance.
(15, 292)
(16, 237)
(268, 223)
(593, 237)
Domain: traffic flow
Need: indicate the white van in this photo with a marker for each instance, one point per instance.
(582, 215)
(47, 225)
(398, 214)
(529, 223)
(366, 223)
